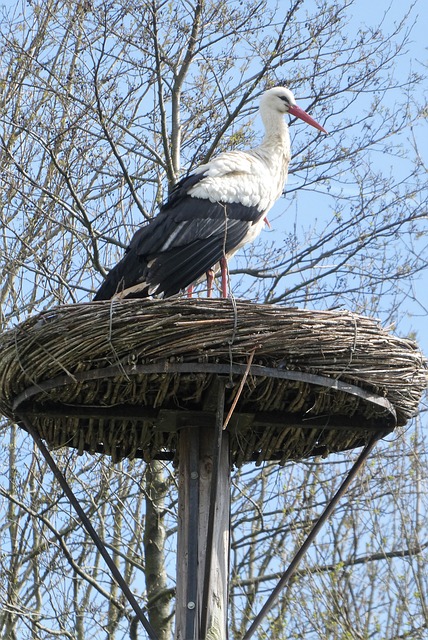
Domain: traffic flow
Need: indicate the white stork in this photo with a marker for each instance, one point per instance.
(209, 214)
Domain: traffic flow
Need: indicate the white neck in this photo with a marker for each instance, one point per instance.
(276, 129)
(275, 151)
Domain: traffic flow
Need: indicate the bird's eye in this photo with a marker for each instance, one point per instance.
(285, 99)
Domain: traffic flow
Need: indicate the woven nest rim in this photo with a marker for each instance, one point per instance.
(163, 354)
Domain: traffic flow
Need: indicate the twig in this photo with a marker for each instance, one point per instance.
(241, 386)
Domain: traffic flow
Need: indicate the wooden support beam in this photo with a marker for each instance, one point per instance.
(203, 532)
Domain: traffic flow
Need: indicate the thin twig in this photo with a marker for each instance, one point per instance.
(241, 386)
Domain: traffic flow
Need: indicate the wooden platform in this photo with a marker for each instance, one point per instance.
(122, 378)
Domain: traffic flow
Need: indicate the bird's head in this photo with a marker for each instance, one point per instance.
(281, 99)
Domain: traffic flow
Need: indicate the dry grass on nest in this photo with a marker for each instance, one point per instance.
(74, 340)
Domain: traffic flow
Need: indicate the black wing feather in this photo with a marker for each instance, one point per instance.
(186, 239)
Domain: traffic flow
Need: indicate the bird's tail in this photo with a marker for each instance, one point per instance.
(126, 279)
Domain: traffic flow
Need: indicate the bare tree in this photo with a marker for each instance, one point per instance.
(103, 106)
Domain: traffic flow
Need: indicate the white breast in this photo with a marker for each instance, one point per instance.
(252, 178)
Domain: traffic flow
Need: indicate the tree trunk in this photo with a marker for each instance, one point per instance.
(158, 595)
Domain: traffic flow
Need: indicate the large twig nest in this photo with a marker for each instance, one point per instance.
(123, 377)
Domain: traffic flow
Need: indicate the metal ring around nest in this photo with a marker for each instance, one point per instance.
(216, 368)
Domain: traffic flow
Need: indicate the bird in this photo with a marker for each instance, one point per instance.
(210, 213)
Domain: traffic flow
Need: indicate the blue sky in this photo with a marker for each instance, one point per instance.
(369, 12)
(389, 13)
(365, 12)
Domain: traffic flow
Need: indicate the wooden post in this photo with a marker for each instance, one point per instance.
(203, 531)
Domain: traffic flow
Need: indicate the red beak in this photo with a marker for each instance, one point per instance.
(299, 113)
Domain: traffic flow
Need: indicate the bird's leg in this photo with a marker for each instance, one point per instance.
(210, 280)
(190, 291)
(267, 222)
(224, 276)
